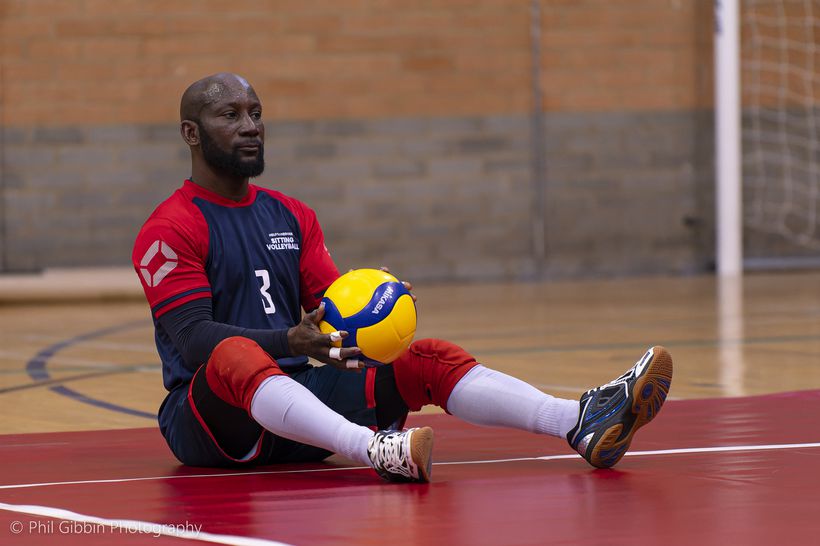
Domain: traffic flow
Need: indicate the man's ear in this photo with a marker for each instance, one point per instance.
(190, 132)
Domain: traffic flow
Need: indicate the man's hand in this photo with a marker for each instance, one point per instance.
(306, 339)
(406, 284)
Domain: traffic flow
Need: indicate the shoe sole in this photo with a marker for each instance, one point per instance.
(421, 450)
(648, 395)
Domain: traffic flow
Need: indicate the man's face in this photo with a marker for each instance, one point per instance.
(231, 130)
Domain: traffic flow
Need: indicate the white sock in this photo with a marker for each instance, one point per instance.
(288, 409)
(491, 398)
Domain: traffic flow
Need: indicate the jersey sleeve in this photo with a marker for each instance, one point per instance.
(170, 262)
(316, 268)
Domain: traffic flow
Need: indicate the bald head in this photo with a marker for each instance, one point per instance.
(211, 90)
(221, 121)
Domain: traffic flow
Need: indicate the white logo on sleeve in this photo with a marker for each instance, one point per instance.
(168, 264)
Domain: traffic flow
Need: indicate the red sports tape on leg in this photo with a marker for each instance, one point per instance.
(429, 370)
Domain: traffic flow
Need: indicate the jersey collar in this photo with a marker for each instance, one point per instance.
(199, 191)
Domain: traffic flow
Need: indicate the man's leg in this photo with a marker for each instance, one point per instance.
(441, 373)
(288, 409)
(489, 397)
(438, 372)
(244, 376)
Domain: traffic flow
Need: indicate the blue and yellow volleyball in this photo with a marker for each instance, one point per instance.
(375, 309)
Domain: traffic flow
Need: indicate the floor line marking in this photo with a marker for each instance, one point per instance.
(133, 526)
(716, 449)
(722, 449)
(614, 346)
(61, 381)
(154, 478)
(37, 369)
(61, 360)
(149, 348)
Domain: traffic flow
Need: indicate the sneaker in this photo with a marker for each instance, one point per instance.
(402, 456)
(612, 413)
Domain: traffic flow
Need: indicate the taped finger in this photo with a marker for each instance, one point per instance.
(335, 353)
(353, 363)
(335, 336)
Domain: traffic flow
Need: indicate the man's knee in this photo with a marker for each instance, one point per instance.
(236, 368)
(429, 370)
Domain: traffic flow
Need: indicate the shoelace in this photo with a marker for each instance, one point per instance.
(391, 456)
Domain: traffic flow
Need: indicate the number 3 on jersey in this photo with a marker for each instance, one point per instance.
(267, 301)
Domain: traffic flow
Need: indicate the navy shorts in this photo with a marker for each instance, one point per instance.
(203, 430)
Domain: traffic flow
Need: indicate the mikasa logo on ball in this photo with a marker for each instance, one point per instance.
(388, 293)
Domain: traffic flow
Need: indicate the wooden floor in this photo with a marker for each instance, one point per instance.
(86, 365)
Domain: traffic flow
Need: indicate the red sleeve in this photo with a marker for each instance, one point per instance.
(170, 262)
(316, 268)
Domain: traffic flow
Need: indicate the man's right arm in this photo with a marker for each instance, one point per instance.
(195, 333)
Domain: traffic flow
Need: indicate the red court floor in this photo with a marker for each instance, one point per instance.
(722, 471)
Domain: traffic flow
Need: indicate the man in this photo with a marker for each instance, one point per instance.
(227, 308)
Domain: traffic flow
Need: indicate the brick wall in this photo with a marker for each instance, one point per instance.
(86, 62)
(640, 55)
(405, 124)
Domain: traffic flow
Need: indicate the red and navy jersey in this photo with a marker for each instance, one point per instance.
(260, 260)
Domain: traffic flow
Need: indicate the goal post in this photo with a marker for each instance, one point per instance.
(728, 165)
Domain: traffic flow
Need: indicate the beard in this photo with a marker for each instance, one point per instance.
(231, 163)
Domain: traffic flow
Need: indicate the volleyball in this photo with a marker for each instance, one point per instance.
(375, 309)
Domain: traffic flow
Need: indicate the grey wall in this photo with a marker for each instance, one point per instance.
(435, 199)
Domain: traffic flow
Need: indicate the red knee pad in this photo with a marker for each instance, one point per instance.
(429, 370)
(236, 368)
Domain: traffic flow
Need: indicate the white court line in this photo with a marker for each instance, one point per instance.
(717, 449)
(131, 526)
(720, 449)
(154, 478)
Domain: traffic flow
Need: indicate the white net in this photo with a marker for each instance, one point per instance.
(781, 130)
